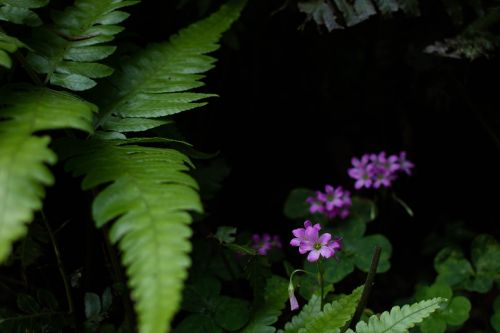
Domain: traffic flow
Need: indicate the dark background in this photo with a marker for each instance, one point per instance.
(296, 105)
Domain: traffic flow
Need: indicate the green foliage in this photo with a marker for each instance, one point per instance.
(68, 51)
(268, 306)
(330, 319)
(454, 313)
(143, 180)
(338, 14)
(23, 156)
(8, 45)
(19, 11)
(480, 274)
(334, 315)
(96, 309)
(211, 311)
(154, 83)
(399, 320)
(296, 206)
(298, 322)
(33, 312)
(225, 234)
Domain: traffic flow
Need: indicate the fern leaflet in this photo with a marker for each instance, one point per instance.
(23, 156)
(19, 11)
(334, 315)
(155, 82)
(68, 52)
(149, 197)
(399, 320)
(8, 44)
(298, 322)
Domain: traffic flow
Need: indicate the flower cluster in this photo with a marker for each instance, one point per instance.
(332, 203)
(265, 243)
(309, 240)
(376, 170)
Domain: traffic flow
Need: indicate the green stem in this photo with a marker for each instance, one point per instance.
(366, 288)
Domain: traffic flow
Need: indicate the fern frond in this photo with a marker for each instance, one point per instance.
(20, 11)
(275, 296)
(8, 45)
(334, 315)
(399, 320)
(149, 197)
(154, 83)
(298, 322)
(69, 51)
(23, 156)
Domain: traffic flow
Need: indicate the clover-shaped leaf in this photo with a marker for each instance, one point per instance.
(453, 268)
(454, 313)
(296, 206)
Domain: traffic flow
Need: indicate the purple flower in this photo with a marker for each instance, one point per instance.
(309, 240)
(300, 233)
(334, 202)
(377, 170)
(316, 203)
(265, 243)
(332, 197)
(404, 164)
(362, 171)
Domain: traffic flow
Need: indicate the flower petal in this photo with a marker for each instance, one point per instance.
(313, 256)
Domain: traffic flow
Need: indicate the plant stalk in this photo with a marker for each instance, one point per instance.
(366, 289)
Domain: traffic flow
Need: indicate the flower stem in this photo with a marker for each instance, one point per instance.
(321, 281)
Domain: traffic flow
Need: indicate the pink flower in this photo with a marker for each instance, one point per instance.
(265, 243)
(309, 240)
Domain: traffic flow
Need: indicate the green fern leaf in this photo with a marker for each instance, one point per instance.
(154, 83)
(23, 156)
(275, 296)
(399, 320)
(149, 197)
(334, 315)
(298, 322)
(8, 45)
(19, 11)
(68, 52)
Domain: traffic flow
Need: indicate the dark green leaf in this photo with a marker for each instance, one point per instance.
(452, 267)
(92, 305)
(27, 304)
(363, 250)
(457, 311)
(232, 313)
(225, 234)
(355, 12)
(107, 299)
(267, 310)
(197, 323)
(296, 206)
(321, 12)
